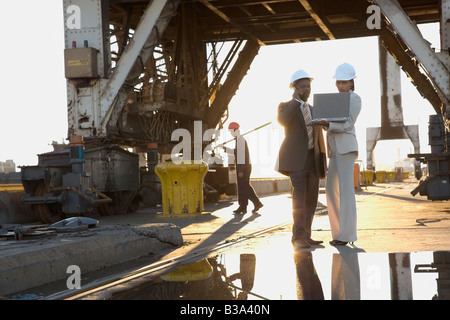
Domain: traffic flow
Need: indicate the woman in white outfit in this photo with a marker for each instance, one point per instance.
(343, 151)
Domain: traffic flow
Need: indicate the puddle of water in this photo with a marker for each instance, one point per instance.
(277, 273)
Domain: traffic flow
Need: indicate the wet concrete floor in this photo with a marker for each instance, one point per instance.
(390, 219)
(276, 272)
(396, 233)
(401, 254)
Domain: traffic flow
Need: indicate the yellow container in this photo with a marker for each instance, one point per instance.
(390, 176)
(405, 175)
(381, 176)
(182, 187)
(367, 177)
(11, 187)
(200, 270)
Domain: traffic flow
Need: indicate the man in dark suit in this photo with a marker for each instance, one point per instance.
(302, 157)
(243, 171)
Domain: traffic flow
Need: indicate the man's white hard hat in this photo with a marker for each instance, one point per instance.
(345, 72)
(297, 75)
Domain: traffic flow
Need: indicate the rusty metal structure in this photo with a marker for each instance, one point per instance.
(137, 70)
(188, 63)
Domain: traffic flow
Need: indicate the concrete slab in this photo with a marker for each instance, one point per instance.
(30, 263)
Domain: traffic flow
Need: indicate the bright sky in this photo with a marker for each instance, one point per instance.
(267, 84)
(33, 87)
(33, 90)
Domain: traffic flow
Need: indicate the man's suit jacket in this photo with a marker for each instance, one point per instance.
(294, 148)
(344, 132)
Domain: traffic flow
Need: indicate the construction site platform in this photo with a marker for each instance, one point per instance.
(390, 219)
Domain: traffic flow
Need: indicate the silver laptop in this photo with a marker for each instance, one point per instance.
(332, 107)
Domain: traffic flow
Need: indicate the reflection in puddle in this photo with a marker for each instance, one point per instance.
(274, 275)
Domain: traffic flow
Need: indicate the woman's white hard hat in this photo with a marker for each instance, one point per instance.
(345, 72)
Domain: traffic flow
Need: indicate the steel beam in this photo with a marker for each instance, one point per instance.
(231, 85)
(391, 92)
(128, 59)
(86, 25)
(392, 125)
(86, 22)
(400, 275)
(411, 36)
(167, 13)
(423, 84)
(445, 26)
(227, 19)
(317, 19)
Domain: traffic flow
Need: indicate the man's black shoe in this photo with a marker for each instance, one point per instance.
(240, 211)
(257, 207)
(314, 242)
(301, 244)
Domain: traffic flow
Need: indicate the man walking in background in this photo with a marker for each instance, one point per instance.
(243, 171)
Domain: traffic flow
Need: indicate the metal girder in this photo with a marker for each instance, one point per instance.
(227, 91)
(317, 19)
(409, 66)
(86, 24)
(169, 10)
(392, 125)
(413, 39)
(220, 13)
(97, 106)
(129, 57)
(391, 92)
(445, 25)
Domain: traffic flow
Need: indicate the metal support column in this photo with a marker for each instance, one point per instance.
(428, 60)
(392, 126)
(87, 62)
(129, 57)
(400, 273)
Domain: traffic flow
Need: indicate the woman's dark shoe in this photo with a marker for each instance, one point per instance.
(338, 243)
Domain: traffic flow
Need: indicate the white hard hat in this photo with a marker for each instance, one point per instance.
(345, 72)
(299, 74)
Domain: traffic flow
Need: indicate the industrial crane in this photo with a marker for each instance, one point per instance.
(138, 70)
